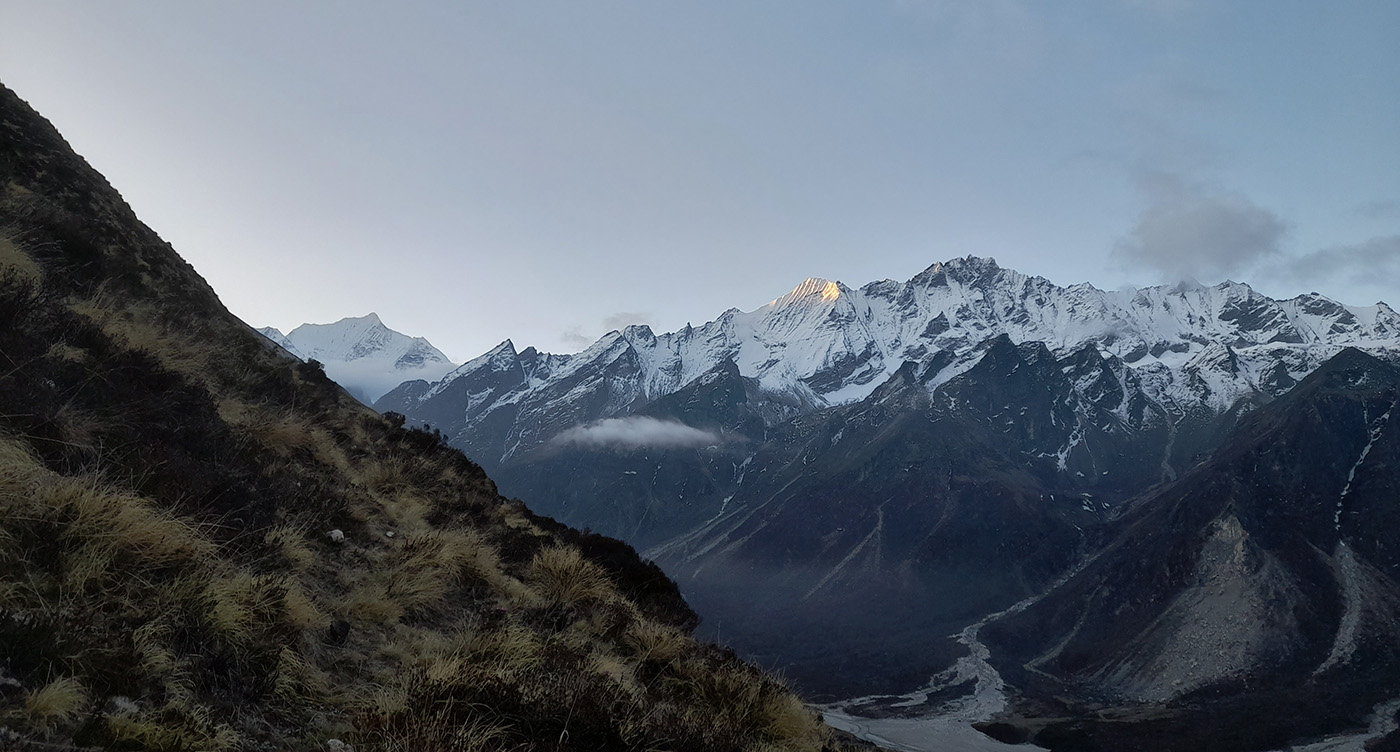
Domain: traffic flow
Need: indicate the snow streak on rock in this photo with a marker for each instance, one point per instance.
(1351, 475)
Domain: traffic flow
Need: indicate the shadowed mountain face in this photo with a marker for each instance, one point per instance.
(872, 470)
(1266, 579)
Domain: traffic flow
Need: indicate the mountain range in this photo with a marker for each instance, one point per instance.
(845, 480)
(1175, 351)
(363, 355)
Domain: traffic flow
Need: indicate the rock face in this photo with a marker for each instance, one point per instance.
(363, 355)
(870, 470)
(1265, 578)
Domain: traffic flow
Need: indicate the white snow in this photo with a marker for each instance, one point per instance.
(1366, 450)
(822, 343)
(363, 355)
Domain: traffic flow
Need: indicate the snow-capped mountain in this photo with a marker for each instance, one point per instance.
(280, 339)
(1185, 348)
(363, 355)
(842, 478)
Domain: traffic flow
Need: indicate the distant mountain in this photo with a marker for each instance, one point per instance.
(363, 355)
(840, 478)
(1186, 348)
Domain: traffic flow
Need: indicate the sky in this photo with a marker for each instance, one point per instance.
(548, 171)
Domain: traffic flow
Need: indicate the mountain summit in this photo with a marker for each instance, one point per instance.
(363, 355)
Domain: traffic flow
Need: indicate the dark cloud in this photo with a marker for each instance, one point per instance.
(1361, 263)
(637, 432)
(574, 336)
(1189, 231)
(625, 318)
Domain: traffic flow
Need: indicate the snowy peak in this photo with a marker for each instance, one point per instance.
(813, 290)
(361, 337)
(1172, 349)
(281, 340)
(363, 355)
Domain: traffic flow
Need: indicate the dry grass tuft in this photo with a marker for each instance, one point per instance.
(563, 576)
(423, 569)
(649, 641)
(173, 728)
(288, 433)
(240, 606)
(371, 601)
(140, 327)
(298, 608)
(480, 561)
(112, 521)
(58, 703)
(15, 260)
(617, 671)
(66, 352)
(390, 475)
(101, 533)
(789, 721)
(407, 511)
(298, 681)
(291, 543)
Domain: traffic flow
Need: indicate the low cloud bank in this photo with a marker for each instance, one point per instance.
(637, 432)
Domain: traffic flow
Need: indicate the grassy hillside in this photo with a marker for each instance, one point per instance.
(205, 544)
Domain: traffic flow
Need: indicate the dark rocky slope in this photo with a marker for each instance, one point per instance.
(205, 544)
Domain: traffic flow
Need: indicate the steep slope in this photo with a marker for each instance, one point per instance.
(363, 355)
(206, 544)
(1263, 581)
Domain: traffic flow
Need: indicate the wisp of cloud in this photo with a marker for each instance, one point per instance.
(638, 432)
(1190, 232)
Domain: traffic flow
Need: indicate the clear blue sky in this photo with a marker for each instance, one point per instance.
(545, 171)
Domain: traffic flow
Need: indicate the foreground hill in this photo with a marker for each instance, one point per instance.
(207, 544)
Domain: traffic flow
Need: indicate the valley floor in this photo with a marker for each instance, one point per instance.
(939, 733)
